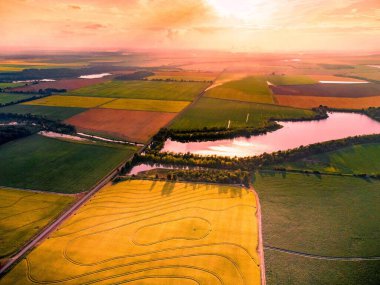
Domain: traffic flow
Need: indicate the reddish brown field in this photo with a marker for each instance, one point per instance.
(134, 126)
(329, 90)
(333, 102)
(68, 84)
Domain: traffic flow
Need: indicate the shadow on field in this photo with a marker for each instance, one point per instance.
(167, 189)
(152, 185)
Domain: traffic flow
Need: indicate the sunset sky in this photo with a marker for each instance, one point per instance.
(231, 25)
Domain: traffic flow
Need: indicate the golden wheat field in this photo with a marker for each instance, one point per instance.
(149, 232)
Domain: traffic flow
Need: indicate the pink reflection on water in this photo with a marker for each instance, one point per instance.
(292, 135)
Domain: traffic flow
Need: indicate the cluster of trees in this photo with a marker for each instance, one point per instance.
(254, 162)
(46, 91)
(56, 73)
(138, 75)
(38, 123)
(9, 133)
(372, 112)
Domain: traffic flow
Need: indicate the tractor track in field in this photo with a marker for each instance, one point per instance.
(322, 257)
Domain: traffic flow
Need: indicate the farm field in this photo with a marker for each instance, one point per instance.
(323, 215)
(144, 89)
(10, 84)
(8, 98)
(69, 101)
(334, 78)
(291, 79)
(211, 112)
(332, 102)
(329, 90)
(249, 89)
(146, 105)
(166, 233)
(24, 213)
(68, 84)
(135, 126)
(54, 113)
(47, 164)
(184, 75)
(355, 159)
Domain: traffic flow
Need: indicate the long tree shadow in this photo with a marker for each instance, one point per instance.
(167, 189)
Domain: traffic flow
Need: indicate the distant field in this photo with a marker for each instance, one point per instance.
(320, 215)
(291, 79)
(23, 214)
(10, 84)
(68, 84)
(181, 91)
(69, 101)
(249, 89)
(135, 126)
(333, 102)
(146, 105)
(47, 164)
(354, 159)
(329, 90)
(210, 112)
(364, 72)
(55, 113)
(8, 98)
(184, 75)
(149, 232)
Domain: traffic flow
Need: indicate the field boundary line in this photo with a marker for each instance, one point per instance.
(63, 216)
(260, 237)
(322, 257)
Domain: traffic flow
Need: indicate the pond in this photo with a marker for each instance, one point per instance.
(293, 134)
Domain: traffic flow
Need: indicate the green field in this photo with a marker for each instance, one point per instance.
(24, 213)
(54, 113)
(291, 80)
(10, 84)
(210, 112)
(321, 215)
(249, 89)
(357, 159)
(6, 98)
(147, 105)
(69, 101)
(48, 164)
(181, 91)
(151, 232)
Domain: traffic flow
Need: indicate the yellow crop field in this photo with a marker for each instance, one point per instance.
(147, 105)
(69, 101)
(24, 213)
(149, 232)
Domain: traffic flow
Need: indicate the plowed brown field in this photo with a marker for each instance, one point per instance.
(136, 126)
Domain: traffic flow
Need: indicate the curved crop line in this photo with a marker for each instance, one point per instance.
(159, 277)
(172, 238)
(159, 199)
(153, 207)
(20, 213)
(145, 211)
(30, 223)
(155, 268)
(144, 219)
(323, 257)
(105, 269)
(18, 200)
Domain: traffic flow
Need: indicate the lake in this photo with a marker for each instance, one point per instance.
(292, 135)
